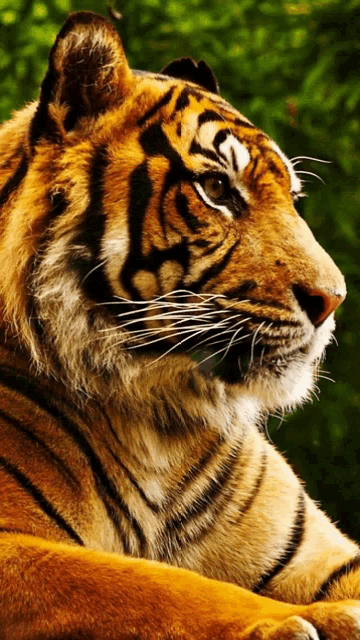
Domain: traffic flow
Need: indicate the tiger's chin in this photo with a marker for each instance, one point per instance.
(276, 378)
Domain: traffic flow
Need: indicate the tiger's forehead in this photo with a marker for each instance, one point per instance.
(207, 120)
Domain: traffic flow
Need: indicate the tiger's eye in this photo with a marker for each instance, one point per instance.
(214, 187)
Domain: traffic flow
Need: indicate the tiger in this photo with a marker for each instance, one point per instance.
(160, 295)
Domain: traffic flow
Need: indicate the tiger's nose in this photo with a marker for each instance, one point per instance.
(317, 304)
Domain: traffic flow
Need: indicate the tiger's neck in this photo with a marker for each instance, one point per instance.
(167, 441)
(174, 405)
(148, 407)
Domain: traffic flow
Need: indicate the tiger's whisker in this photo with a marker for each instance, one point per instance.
(253, 342)
(165, 330)
(261, 356)
(205, 297)
(224, 321)
(94, 269)
(126, 339)
(168, 315)
(310, 173)
(161, 315)
(319, 375)
(310, 158)
(171, 349)
(226, 331)
(174, 315)
(212, 355)
(233, 340)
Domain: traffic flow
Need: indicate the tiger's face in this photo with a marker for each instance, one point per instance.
(172, 232)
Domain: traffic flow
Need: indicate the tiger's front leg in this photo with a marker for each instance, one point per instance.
(52, 591)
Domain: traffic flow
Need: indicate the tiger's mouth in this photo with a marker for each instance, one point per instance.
(228, 339)
(247, 361)
(234, 361)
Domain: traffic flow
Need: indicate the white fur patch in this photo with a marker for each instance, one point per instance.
(117, 245)
(232, 146)
(296, 382)
(295, 181)
(207, 133)
(113, 253)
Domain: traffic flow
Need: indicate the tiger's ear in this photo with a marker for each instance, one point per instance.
(87, 74)
(197, 72)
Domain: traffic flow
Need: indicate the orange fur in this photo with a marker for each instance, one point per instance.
(148, 326)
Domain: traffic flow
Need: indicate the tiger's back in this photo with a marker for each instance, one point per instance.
(160, 294)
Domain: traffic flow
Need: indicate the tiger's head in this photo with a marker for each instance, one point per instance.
(148, 224)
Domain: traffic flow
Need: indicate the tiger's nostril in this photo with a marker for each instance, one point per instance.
(317, 304)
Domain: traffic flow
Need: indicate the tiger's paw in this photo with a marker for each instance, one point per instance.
(335, 620)
(323, 621)
(293, 628)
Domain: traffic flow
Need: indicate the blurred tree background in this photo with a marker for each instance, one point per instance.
(292, 67)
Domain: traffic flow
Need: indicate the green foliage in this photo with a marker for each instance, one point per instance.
(293, 68)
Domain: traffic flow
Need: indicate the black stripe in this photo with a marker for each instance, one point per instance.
(202, 243)
(214, 248)
(219, 138)
(155, 508)
(58, 204)
(290, 549)
(140, 192)
(91, 273)
(275, 170)
(156, 77)
(209, 116)
(335, 576)
(140, 188)
(8, 161)
(214, 270)
(113, 515)
(14, 181)
(182, 101)
(199, 466)
(172, 539)
(192, 222)
(169, 421)
(207, 498)
(35, 394)
(196, 94)
(254, 168)
(234, 161)
(154, 143)
(59, 462)
(151, 505)
(39, 498)
(160, 103)
(242, 123)
(195, 148)
(249, 502)
(241, 289)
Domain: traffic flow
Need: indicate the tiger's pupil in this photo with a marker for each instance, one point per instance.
(214, 187)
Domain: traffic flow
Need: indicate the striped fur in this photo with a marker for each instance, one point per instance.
(149, 325)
